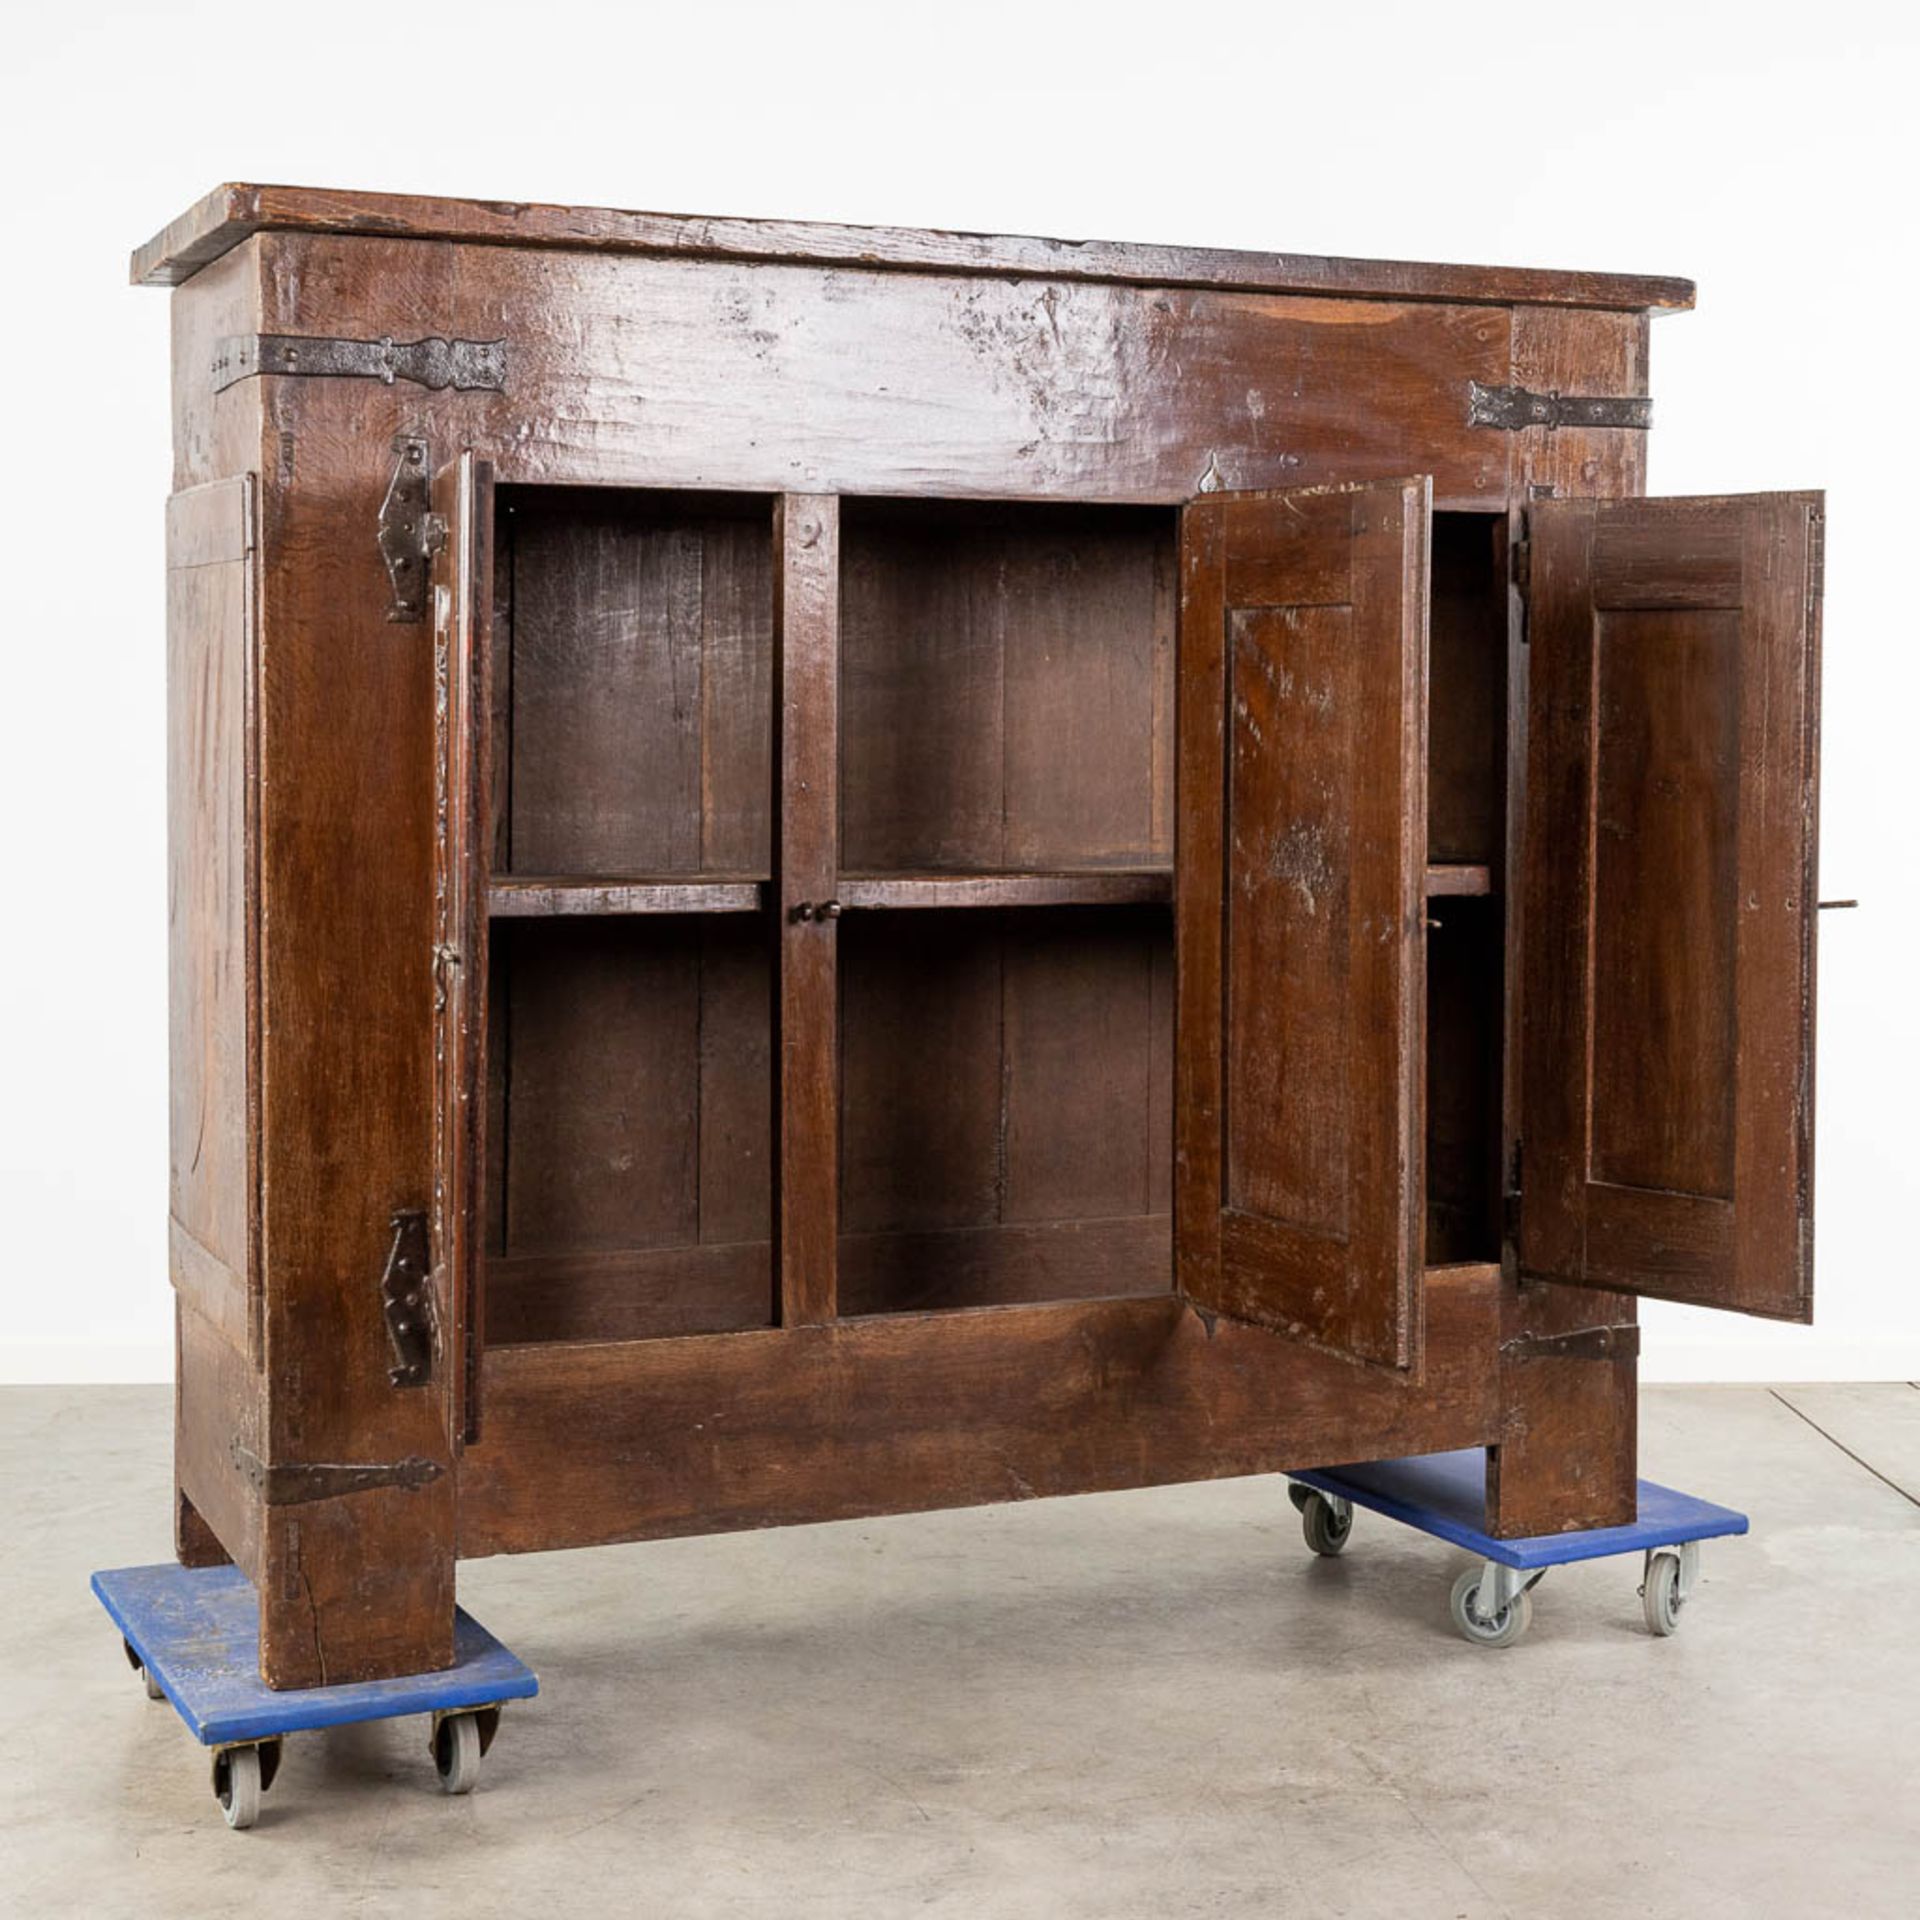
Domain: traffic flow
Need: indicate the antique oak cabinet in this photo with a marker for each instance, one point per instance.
(822, 871)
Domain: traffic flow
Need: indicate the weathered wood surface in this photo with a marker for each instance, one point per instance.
(1302, 797)
(226, 216)
(660, 1437)
(726, 374)
(1667, 1104)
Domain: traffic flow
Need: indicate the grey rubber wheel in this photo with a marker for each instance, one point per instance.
(155, 1691)
(1660, 1596)
(236, 1785)
(456, 1752)
(1503, 1629)
(1326, 1531)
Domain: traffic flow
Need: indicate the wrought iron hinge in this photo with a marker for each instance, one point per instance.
(297, 1484)
(1589, 1343)
(403, 1297)
(468, 366)
(411, 533)
(1513, 408)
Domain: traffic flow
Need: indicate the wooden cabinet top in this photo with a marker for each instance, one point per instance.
(226, 216)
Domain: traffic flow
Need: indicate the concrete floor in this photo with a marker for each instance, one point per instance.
(1134, 1704)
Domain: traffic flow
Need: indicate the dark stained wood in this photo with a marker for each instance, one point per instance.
(1668, 987)
(672, 376)
(231, 212)
(1302, 859)
(462, 842)
(1001, 681)
(640, 684)
(949, 709)
(806, 1185)
(906, 1411)
(534, 897)
(1110, 887)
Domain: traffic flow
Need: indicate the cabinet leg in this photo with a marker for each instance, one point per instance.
(195, 1544)
(1567, 1456)
(357, 1588)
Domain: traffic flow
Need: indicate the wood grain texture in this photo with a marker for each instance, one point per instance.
(728, 375)
(641, 638)
(1001, 680)
(462, 857)
(539, 897)
(1670, 845)
(806, 706)
(909, 1411)
(1300, 878)
(227, 215)
(212, 904)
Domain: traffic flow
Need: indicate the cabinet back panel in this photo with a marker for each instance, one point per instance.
(1006, 1094)
(631, 1127)
(1464, 1033)
(1467, 690)
(1006, 686)
(632, 711)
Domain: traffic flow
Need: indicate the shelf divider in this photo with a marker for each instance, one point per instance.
(552, 896)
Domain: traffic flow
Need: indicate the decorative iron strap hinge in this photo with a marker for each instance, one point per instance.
(1512, 408)
(289, 1485)
(1589, 1343)
(403, 1298)
(468, 366)
(411, 533)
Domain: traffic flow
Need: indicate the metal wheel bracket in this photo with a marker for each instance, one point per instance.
(1687, 1554)
(1500, 1586)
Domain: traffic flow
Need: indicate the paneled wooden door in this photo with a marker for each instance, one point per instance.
(1668, 881)
(1299, 870)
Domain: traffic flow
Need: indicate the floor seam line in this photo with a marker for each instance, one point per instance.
(1911, 1498)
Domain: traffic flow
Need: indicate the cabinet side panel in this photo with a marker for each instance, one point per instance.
(210, 629)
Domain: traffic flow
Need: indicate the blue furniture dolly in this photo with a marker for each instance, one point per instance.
(193, 1634)
(1444, 1494)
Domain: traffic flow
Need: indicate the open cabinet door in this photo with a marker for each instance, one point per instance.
(1668, 894)
(462, 620)
(1300, 865)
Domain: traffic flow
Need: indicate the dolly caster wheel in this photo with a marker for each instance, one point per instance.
(238, 1785)
(1500, 1628)
(456, 1751)
(155, 1691)
(1666, 1585)
(1327, 1524)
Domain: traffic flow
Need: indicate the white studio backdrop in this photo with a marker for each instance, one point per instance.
(1765, 151)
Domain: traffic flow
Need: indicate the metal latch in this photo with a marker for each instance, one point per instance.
(411, 533)
(1588, 1343)
(468, 366)
(403, 1297)
(1514, 408)
(296, 1484)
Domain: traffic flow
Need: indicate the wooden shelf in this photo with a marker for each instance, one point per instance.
(1107, 887)
(1452, 880)
(549, 896)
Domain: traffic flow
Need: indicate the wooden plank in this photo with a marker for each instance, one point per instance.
(1005, 1265)
(227, 215)
(632, 1293)
(1303, 816)
(1109, 887)
(806, 1177)
(681, 375)
(1670, 847)
(909, 1411)
(534, 897)
(1454, 881)
(603, 1092)
(212, 903)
